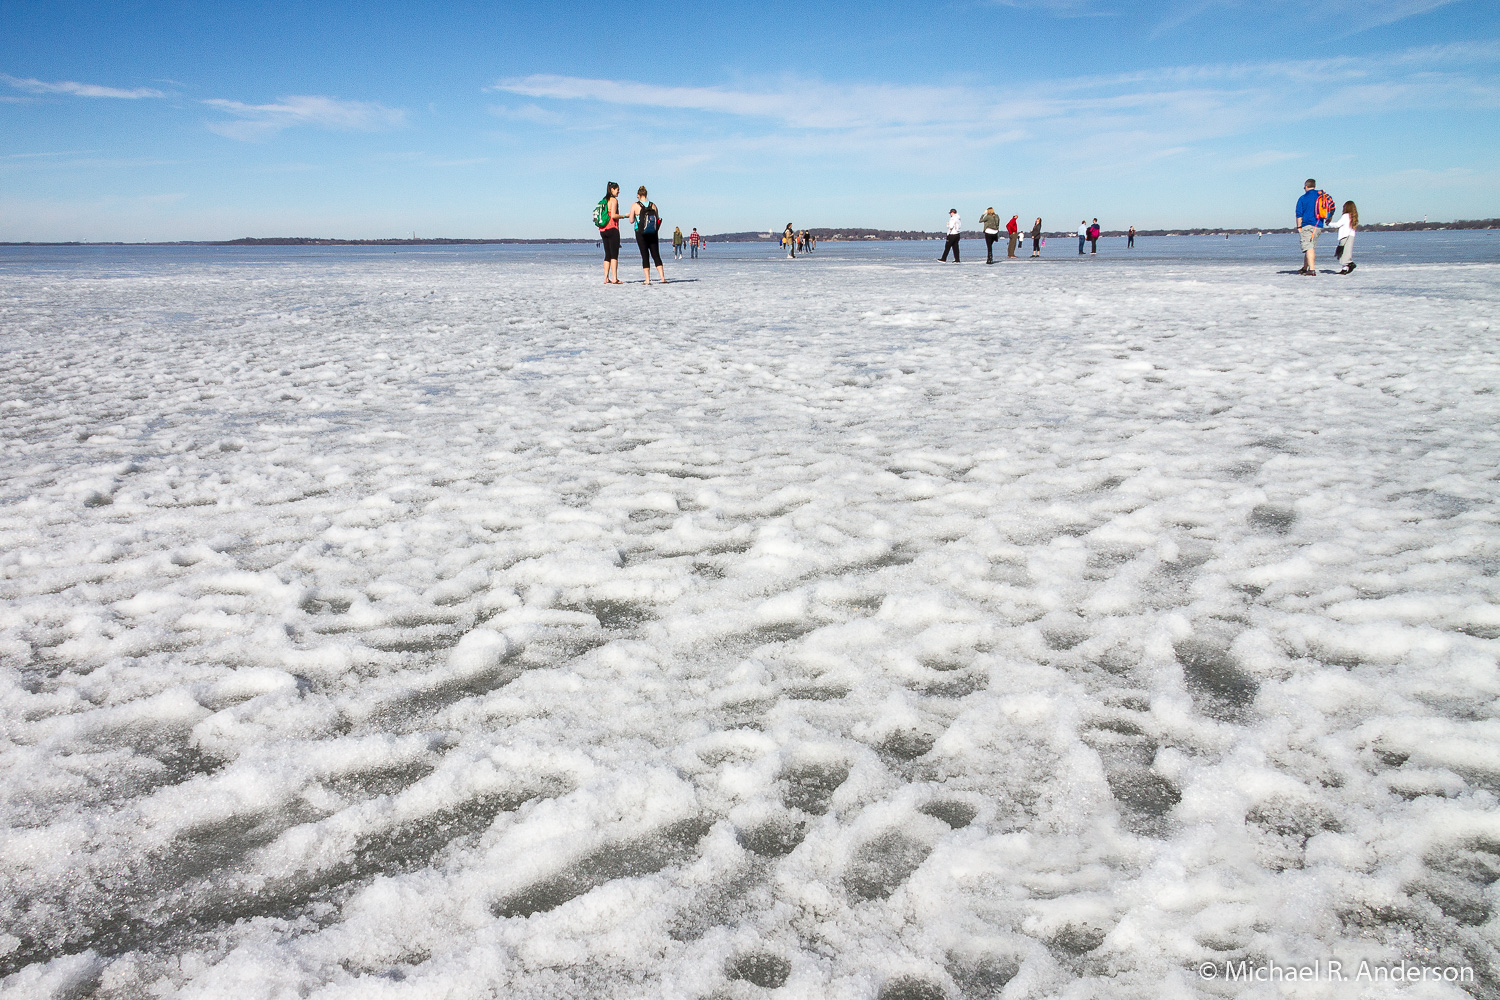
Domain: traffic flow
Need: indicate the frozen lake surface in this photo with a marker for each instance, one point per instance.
(441, 623)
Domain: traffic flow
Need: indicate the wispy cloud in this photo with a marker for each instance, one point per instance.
(1129, 114)
(42, 156)
(1336, 15)
(798, 103)
(32, 86)
(53, 162)
(257, 121)
(1341, 17)
(423, 159)
(1060, 8)
(1373, 13)
(1262, 158)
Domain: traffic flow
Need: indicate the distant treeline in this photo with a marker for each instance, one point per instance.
(302, 241)
(309, 241)
(1403, 227)
(823, 235)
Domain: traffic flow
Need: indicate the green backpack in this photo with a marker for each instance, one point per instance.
(601, 213)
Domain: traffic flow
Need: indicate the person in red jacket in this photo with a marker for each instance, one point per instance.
(1094, 236)
(1014, 232)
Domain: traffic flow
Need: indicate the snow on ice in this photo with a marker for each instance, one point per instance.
(449, 625)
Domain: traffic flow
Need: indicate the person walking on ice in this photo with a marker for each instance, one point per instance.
(693, 242)
(1314, 209)
(1130, 239)
(1036, 238)
(1013, 232)
(955, 229)
(1083, 235)
(789, 240)
(677, 243)
(1094, 236)
(1347, 225)
(990, 223)
(647, 222)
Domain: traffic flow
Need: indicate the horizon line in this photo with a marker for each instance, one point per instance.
(831, 233)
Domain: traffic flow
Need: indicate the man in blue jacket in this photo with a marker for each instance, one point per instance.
(1309, 225)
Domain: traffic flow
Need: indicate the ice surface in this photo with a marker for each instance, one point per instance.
(447, 624)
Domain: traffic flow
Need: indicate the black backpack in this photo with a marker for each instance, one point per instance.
(648, 221)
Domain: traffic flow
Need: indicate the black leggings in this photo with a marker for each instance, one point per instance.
(952, 244)
(646, 243)
(611, 239)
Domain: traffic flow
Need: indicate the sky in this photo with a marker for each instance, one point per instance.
(162, 121)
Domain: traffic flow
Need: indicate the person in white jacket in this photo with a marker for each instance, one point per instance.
(955, 227)
(1347, 225)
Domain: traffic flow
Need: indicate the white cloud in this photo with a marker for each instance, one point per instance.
(1337, 15)
(1373, 13)
(423, 159)
(798, 103)
(1254, 161)
(256, 121)
(42, 156)
(1128, 115)
(1334, 15)
(1060, 8)
(52, 162)
(77, 89)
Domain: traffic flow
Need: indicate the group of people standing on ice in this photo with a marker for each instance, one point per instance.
(1089, 231)
(990, 223)
(645, 219)
(1315, 211)
(798, 239)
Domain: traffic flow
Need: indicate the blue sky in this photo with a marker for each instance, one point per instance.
(130, 120)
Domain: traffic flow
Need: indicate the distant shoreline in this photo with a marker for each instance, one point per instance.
(825, 235)
(845, 235)
(293, 241)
